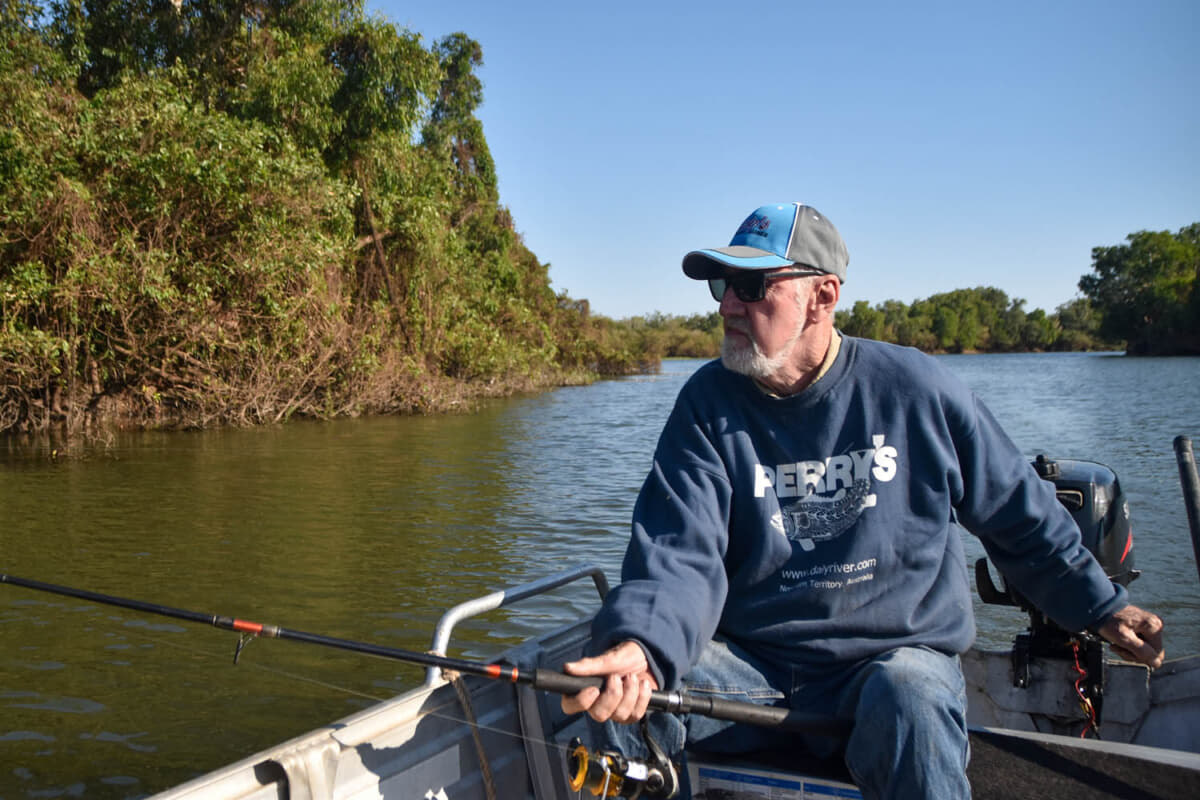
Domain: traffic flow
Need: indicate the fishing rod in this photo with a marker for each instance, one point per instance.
(545, 679)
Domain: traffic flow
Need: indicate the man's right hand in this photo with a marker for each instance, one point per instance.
(1136, 635)
(628, 683)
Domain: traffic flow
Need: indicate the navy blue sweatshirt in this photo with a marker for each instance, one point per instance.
(823, 528)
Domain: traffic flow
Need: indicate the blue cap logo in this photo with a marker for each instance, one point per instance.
(755, 225)
(768, 228)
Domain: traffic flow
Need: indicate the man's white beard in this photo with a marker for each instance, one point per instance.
(746, 358)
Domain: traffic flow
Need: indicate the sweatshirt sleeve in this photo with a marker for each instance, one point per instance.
(1027, 533)
(673, 581)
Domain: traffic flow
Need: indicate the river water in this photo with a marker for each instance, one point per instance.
(368, 529)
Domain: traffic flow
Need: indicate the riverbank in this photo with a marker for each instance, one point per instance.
(131, 411)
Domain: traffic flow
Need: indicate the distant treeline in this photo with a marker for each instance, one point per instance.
(981, 320)
(1142, 297)
(228, 212)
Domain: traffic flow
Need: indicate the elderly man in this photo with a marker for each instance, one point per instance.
(797, 543)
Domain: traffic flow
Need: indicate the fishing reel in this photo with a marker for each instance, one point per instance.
(609, 773)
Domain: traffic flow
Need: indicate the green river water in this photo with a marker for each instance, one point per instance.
(368, 529)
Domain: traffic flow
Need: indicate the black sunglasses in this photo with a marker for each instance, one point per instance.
(751, 286)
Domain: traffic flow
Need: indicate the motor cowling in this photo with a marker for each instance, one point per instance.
(1093, 496)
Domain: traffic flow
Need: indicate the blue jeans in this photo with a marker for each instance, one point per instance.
(909, 708)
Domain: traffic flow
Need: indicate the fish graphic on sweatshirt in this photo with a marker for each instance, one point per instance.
(818, 500)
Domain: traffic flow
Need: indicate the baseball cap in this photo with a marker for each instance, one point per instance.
(773, 236)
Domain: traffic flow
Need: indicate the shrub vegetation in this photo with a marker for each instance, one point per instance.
(231, 212)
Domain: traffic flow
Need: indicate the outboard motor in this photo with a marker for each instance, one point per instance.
(1092, 493)
(1093, 496)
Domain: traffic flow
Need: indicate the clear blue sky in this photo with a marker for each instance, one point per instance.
(954, 144)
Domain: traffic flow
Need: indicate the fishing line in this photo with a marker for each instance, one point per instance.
(251, 664)
(127, 627)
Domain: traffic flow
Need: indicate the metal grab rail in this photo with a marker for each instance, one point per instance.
(1191, 490)
(505, 597)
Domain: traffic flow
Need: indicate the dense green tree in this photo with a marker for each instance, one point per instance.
(453, 131)
(1146, 291)
(1039, 331)
(106, 39)
(861, 320)
(945, 327)
(970, 331)
(895, 314)
(1079, 326)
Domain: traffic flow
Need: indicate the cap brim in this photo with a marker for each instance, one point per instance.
(705, 264)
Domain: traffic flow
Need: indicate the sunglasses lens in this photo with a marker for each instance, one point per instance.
(750, 287)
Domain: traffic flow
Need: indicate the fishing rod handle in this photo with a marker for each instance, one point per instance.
(561, 683)
(718, 708)
(564, 684)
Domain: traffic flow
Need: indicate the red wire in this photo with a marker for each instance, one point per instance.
(1085, 702)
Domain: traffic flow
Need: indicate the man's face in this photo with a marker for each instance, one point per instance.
(760, 337)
